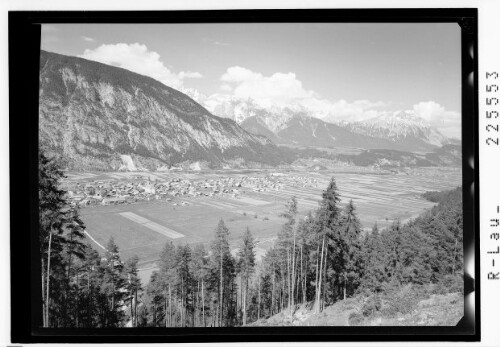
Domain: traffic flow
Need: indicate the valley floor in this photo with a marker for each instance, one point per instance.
(379, 196)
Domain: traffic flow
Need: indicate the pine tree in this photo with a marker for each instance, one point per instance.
(133, 286)
(166, 279)
(247, 266)
(373, 262)
(155, 300)
(74, 251)
(184, 282)
(222, 266)
(328, 233)
(61, 243)
(200, 270)
(113, 285)
(90, 283)
(286, 248)
(351, 249)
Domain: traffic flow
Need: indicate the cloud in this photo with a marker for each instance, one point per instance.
(285, 89)
(279, 89)
(240, 74)
(88, 39)
(447, 122)
(226, 87)
(138, 58)
(428, 110)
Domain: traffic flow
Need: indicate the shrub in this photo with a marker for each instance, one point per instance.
(266, 218)
(403, 301)
(372, 305)
(355, 318)
(244, 213)
(255, 216)
(450, 284)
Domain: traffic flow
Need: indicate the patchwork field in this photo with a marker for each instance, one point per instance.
(143, 228)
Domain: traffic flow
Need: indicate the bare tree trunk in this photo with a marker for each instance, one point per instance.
(318, 298)
(258, 307)
(242, 303)
(220, 289)
(169, 306)
(89, 298)
(283, 293)
(77, 313)
(166, 313)
(293, 269)
(345, 284)
(216, 323)
(181, 302)
(288, 278)
(272, 292)
(192, 291)
(296, 281)
(454, 256)
(203, 302)
(324, 276)
(43, 293)
(135, 308)
(303, 275)
(197, 305)
(113, 298)
(68, 281)
(154, 314)
(317, 274)
(48, 283)
(131, 297)
(245, 293)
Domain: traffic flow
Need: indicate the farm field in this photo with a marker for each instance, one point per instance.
(143, 228)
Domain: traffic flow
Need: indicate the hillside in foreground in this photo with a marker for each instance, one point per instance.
(427, 306)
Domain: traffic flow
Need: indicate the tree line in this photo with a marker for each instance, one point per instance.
(319, 259)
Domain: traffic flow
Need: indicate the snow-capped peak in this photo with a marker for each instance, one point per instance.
(400, 125)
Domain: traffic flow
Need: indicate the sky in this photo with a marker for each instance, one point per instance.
(351, 71)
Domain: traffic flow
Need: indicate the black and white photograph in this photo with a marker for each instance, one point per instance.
(250, 175)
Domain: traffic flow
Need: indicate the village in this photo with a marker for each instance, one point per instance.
(138, 187)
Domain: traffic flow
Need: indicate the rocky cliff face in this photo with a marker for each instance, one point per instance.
(97, 116)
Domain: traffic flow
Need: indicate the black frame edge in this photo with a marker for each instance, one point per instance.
(23, 98)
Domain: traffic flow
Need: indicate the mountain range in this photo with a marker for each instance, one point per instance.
(100, 117)
(401, 130)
